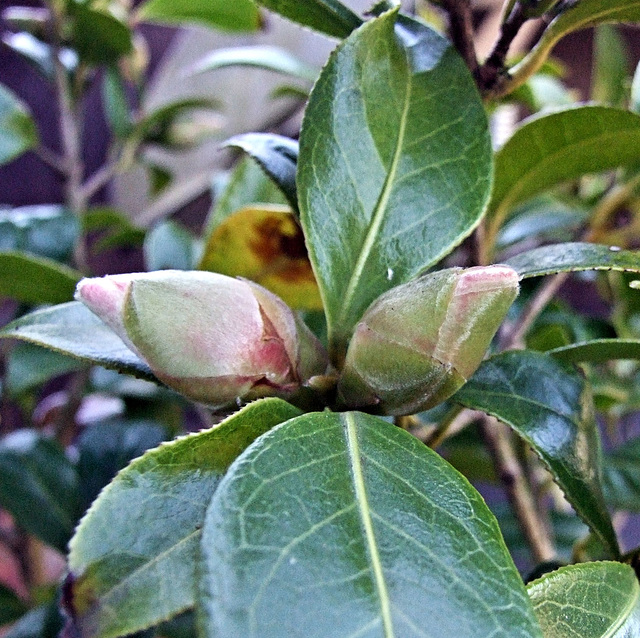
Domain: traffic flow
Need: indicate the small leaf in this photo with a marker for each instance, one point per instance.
(116, 105)
(99, 37)
(635, 91)
(36, 280)
(39, 486)
(269, 58)
(549, 405)
(327, 16)
(74, 330)
(169, 246)
(597, 351)
(553, 148)
(622, 476)
(336, 525)
(29, 366)
(610, 67)
(278, 157)
(134, 556)
(247, 185)
(47, 230)
(393, 110)
(11, 607)
(265, 245)
(589, 600)
(238, 15)
(18, 131)
(573, 257)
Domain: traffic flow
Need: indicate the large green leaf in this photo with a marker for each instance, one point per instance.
(238, 15)
(134, 557)
(36, 280)
(549, 405)
(39, 486)
(573, 257)
(74, 330)
(395, 164)
(337, 525)
(576, 15)
(17, 129)
(327, 16)
(622, 476)
(550, 149)
(589, 600)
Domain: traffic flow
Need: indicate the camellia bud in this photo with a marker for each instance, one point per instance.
(418, 343)
(210, 337)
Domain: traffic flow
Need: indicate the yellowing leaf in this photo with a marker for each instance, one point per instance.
(265, 244)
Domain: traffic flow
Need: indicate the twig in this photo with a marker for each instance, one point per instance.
(461, 31)
(51, 159)
(497, 440)
(492, 73)
(99, 179)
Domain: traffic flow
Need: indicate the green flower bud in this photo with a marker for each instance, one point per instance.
(210, 337)
(418, 343)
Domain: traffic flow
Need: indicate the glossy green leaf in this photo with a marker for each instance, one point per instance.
(11, 607)
(169, 245)
(395, 164)
(134, 557)
(114, 227)
(550, 149)
(588, 600)
(575, 16)
(39, 486)
(278, 157)
(269, 58)
(239, 15)
(36, 280)
(336, 525)
(18, 131)
(98, 36)
(610, 67)
(622, 476)
(74, 330)
(598, 351)
(549, 405)
(248, 184)
(327, 16)
(573, 257)
(48, 230)
(28, 366)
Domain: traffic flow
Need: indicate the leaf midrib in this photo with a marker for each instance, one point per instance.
(379, 210)
(362, 502)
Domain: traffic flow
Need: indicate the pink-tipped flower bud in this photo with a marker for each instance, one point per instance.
(210, 337)
(418, 343)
